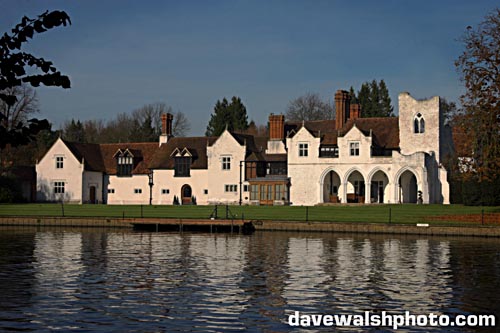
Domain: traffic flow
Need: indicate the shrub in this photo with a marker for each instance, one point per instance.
(10, 190)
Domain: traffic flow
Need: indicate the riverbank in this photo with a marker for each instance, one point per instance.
(209, 225)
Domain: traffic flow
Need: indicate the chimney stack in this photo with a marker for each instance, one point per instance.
(276, 127)
(166, 124)
(166, 127)
(342, 107)
(355, 111)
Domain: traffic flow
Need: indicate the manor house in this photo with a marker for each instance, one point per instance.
(347, 160)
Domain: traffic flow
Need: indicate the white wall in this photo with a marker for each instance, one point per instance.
(165, 180)
(70, 174)
(226, 145)
(428, 141)
(124, 189)
(92, 178)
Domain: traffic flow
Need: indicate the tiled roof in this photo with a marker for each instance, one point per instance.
(143, 154)
(99, 157)
(197, 146)
(385, 131)
(316, 127)
(90, 153)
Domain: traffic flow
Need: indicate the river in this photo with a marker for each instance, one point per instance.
(122, 280)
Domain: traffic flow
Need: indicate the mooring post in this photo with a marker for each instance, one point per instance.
(210, 227)
(216, 212)
(62, 208)
(227, 212)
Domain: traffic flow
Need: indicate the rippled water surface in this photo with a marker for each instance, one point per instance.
(109, 280)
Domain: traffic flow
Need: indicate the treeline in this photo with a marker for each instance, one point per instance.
(142, 125)
(374, 99)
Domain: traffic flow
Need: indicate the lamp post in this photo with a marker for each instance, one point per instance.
(150, 176)
(241, 183)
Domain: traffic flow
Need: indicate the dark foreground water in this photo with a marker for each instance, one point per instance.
(108, 280)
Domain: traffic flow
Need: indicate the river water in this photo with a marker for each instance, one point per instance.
(120, 280)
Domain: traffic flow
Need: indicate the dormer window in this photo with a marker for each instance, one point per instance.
(418, 123)
(182, 162)
(125, 163)
(182, 166)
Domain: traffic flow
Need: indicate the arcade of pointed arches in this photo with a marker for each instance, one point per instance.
(380, 188)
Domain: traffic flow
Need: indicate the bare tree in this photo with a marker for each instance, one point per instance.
(94, 130)
(14, 116)
(309, 107)
(19, 112)
(181, 125)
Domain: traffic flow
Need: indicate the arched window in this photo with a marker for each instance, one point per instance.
(418, 124)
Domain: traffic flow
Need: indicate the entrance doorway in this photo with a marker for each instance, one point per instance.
(408, 187)
(92, 195)
(186, 194)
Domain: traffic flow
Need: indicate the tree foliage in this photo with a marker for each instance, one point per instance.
(14, 73)
(142, 125)
(309, 107)
(374, 99)
(232, 116)
(448, 109)
(479, 65)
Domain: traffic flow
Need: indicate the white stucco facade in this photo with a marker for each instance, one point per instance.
(67, 175)
(373, 163)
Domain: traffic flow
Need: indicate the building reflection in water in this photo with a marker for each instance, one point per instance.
(108, 280)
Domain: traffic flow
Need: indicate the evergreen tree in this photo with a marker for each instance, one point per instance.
(74, 132)
(374, 99)
(231, 115)
(147, 132)
(354, 98)
(364, 98)
(385, 101)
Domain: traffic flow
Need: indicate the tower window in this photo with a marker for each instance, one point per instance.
(418, 123)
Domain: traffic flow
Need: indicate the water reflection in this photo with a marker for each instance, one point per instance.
(92, 279)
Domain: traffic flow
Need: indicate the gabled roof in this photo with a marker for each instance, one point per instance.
(385, 131)
(101, 157)
(196, 146)
(315, 127)
(143, 153)
(88, 152)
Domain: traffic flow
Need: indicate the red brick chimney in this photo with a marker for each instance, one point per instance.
(342, 102)
(355, 111)
(276, 127)
(166, 124)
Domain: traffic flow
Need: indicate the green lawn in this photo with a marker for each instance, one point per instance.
(362, 213)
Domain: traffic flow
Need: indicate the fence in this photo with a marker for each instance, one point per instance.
(390, 214)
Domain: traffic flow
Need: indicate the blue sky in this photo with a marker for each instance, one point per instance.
(121, 55)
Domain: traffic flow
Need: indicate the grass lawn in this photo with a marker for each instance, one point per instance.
(407, 213)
